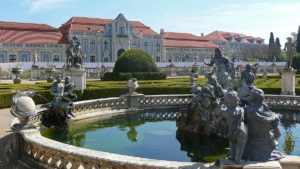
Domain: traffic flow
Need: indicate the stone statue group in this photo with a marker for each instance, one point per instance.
(61, 106)
(74, 53)
(233, 108)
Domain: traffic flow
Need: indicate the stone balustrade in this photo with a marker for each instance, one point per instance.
(35, 151)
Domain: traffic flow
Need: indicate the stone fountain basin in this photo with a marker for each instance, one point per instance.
(47, 153)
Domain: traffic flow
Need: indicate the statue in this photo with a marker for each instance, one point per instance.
(290, 49)
(263, 132)
(234, 118)
(132, 85)
(62, 105)
(247, 80)
(35, 58)
(74, 53)
(224, 69)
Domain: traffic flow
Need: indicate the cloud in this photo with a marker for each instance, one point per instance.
(40, 5)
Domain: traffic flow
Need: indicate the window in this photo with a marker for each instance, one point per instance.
(121, 30)
(146, 46)
(56, 58)
(46, 57)
(158, 47)
(2, 57)
(85, 46)
(92, 45)
(12, 58)
(133, 45)
(105, 45)
(24, 57)
(92, 59)
(157, 59)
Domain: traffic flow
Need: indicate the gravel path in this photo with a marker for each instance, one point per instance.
(5, 135)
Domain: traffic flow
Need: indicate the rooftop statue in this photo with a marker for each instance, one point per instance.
(224, 69)
(74, 53)
(290, 49)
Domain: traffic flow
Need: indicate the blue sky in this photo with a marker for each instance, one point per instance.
(251, 17)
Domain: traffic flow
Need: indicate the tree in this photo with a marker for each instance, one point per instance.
(272, 48)
(271, 40)
(296, 62)
(298, 40)
(277, 50)
(135, 60)
(294, 36)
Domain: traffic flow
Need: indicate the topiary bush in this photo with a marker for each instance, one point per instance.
(135, 60)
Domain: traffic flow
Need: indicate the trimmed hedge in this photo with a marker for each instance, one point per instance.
(135, 60)
(116, 76)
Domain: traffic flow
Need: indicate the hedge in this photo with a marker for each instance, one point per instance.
(115, 76)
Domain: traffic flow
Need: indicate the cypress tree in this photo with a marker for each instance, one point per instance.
(278, 42)
(271, 40)
(298, 41)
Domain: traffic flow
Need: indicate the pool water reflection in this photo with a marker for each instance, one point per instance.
(152, 134)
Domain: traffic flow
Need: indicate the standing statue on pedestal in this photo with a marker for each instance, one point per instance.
(74, 53)
(290, 50)
(224, 69)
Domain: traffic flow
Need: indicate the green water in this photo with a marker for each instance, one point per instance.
(144, 134)
(132, 135)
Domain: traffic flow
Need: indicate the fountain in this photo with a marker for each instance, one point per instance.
(149, 122)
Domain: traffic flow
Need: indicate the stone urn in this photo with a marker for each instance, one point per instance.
(50, 72)
(17, 71)
(22, 108)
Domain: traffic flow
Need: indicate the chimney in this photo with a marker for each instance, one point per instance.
(162, 31)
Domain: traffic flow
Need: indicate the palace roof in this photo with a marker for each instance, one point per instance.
(232, 36)
(86, 24)
(15, 32)
(175, 39)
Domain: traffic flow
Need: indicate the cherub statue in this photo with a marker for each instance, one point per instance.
(233, 115)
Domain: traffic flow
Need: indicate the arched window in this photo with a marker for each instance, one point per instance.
(106, 59)
(92, 59)
(24, 57)
(46, 57)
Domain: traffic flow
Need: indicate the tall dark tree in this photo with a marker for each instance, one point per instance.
(277, 49)
(271, 40)
(298, 41)
(272, 47)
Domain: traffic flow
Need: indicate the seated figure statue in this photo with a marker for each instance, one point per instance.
(233, 115)
(263, 132)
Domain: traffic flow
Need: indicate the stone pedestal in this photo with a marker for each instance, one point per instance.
(228, 164)
(78, 77)
(34, 72)
(288, 82)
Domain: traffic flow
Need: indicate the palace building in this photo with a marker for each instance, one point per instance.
(104, 40)
(239, 46)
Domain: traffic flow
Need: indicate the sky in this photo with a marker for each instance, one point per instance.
(251, 17)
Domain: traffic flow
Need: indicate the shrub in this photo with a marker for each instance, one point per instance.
(149, 75)
(135, 60)
(116, 76)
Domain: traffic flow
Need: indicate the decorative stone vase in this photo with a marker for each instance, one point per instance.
(50, 72)
(22, 108)
(17, 71)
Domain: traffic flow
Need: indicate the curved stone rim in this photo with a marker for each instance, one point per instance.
(35, 144)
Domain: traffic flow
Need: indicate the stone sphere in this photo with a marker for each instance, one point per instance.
(26, 106)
